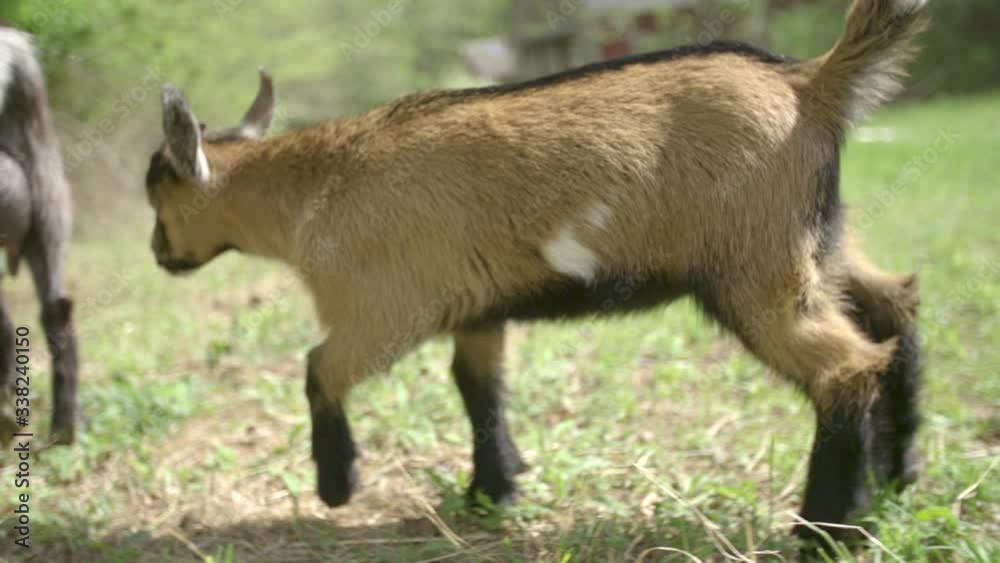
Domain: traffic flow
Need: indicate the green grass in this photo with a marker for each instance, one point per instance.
(652, 431)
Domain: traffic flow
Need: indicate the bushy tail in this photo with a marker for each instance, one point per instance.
(864, 68)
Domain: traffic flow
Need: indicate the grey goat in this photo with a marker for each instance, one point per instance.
(35, 224)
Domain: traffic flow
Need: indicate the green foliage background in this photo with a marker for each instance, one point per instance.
(960, 52)
(97, 51)
(661, 386)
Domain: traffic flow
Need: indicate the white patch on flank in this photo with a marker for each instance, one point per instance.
(568, 256)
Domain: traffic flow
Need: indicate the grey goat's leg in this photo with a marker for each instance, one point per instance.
(7, 358)
(46, 269)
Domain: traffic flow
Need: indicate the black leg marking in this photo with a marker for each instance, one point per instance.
(826, 218)
(897, 415)
(43, 254)
(837, 484)
(495, 459)
(6, 348)
(896, 411)
(332, 446)
(7, 423)
(58, 323)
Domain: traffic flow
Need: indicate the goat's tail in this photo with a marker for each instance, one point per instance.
(864, 68)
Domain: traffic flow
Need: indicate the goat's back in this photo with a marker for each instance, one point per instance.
(678, 167)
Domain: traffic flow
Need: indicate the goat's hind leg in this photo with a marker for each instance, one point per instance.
(477, 368)
(812, 342)
(7, 374)
(885, 306)
(57, 320)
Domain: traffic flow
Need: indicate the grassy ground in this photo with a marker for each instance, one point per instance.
(648, 432)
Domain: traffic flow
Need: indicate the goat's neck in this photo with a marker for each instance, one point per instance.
(271, 189)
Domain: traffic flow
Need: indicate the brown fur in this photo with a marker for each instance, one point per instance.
(865, 67)
(487, 163)
(703, 167)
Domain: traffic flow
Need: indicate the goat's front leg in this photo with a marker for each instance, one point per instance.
(45, 261)
(333, 447)
(478, 371)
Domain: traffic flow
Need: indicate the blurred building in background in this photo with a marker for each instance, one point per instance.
(547, 37)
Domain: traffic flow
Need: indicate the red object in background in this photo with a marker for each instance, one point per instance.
(616, 48)
(646, 22)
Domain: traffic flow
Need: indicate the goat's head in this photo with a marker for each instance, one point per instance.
(183, 188)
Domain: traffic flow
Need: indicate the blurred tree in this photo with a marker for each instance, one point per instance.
(327, 57)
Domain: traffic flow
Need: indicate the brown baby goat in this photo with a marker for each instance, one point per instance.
(709, 172)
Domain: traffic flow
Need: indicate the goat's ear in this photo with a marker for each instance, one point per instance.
(257, 120)
(184, 137)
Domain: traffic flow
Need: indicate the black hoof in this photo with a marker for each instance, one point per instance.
(62, 435)
(500, 492)
(335, 490)
(893, 468)
(912, 465)
(520, 466)
(816, 542)
(896, 418)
